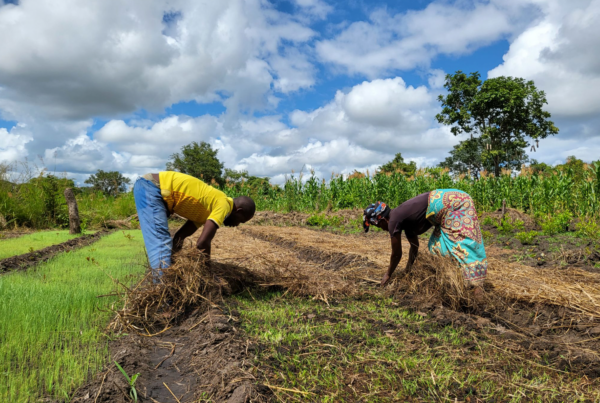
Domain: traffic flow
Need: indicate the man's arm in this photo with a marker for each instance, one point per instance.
(394, 258)
(208, 233)
(413, 252)
(186, 230)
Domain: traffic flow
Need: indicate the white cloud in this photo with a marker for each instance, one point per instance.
(558, 53)
(12, 144)
(84, 155)
(411, 39)
(360, 129)
(75, 60)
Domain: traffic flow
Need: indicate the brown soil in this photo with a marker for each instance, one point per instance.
(6, 234)
(24, 261)
(202, 358)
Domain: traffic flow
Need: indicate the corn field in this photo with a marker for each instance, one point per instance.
(559, 191)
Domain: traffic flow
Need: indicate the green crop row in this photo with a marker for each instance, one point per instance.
(560, 191)
(32, 242)
(39, 205)
(52, 320)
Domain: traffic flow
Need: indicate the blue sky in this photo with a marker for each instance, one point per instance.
(278, 85)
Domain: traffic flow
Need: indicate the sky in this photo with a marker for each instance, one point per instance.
(278, 86)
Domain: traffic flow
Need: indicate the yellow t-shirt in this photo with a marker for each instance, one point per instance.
(193, 199)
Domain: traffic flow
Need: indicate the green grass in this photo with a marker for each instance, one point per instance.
(52, 323)
(375, 351)
(32, 242)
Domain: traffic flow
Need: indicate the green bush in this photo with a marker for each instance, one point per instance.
(557, 223)
(588, 228)
(527, 238)
(322, 220)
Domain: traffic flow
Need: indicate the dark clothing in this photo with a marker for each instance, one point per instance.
(410, 216)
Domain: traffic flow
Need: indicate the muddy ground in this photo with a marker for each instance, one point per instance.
(204, 358)
(26, 260)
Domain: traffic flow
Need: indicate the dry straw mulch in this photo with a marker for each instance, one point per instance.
(570, 287)
(322, 265)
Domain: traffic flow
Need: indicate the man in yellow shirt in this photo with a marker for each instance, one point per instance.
(157, 196)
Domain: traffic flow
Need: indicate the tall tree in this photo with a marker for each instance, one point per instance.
(398, 165)
(198, 160)
(470, 157)
(503, 112)
(111, 183)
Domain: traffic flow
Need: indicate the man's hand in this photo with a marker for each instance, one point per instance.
(185, 231)
(385, 279)
(208, 233)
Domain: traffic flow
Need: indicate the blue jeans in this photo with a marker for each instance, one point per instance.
(152, 214)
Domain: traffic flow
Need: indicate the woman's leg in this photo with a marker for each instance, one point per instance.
(152, 214)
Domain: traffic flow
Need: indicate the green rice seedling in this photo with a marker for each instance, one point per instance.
(53, 318)
(32, 242)
(130, 381)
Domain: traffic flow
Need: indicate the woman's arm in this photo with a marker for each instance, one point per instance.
(394, 258)
(414, 251)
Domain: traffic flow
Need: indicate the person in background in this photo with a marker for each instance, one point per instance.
(159, 195)
(456, 231)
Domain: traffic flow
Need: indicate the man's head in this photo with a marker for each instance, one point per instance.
(376, 214)
(243, 211)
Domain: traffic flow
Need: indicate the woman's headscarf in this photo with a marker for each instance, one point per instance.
(374, 213)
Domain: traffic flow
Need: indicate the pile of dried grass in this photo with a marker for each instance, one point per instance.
(435, 279)
(189, 283)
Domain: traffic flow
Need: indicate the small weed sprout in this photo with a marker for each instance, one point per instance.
(487, 220)
(506, 227)
(527, 238)
(131, 381)
(128, 236)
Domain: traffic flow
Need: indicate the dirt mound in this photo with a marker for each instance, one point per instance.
(202, 359)
(296, 219)
(22, 262)
(512, 216)
(8, 234)
(279, 219)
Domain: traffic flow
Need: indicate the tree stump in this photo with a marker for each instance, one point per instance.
(503, 210)
(74, 223)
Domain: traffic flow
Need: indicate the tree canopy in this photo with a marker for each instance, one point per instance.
(398, 165)
(502, 112)
(111, 183)
(198, 160)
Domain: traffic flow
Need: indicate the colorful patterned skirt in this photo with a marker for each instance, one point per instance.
(457, 232)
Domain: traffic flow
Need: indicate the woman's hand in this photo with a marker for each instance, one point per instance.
(385, 279)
